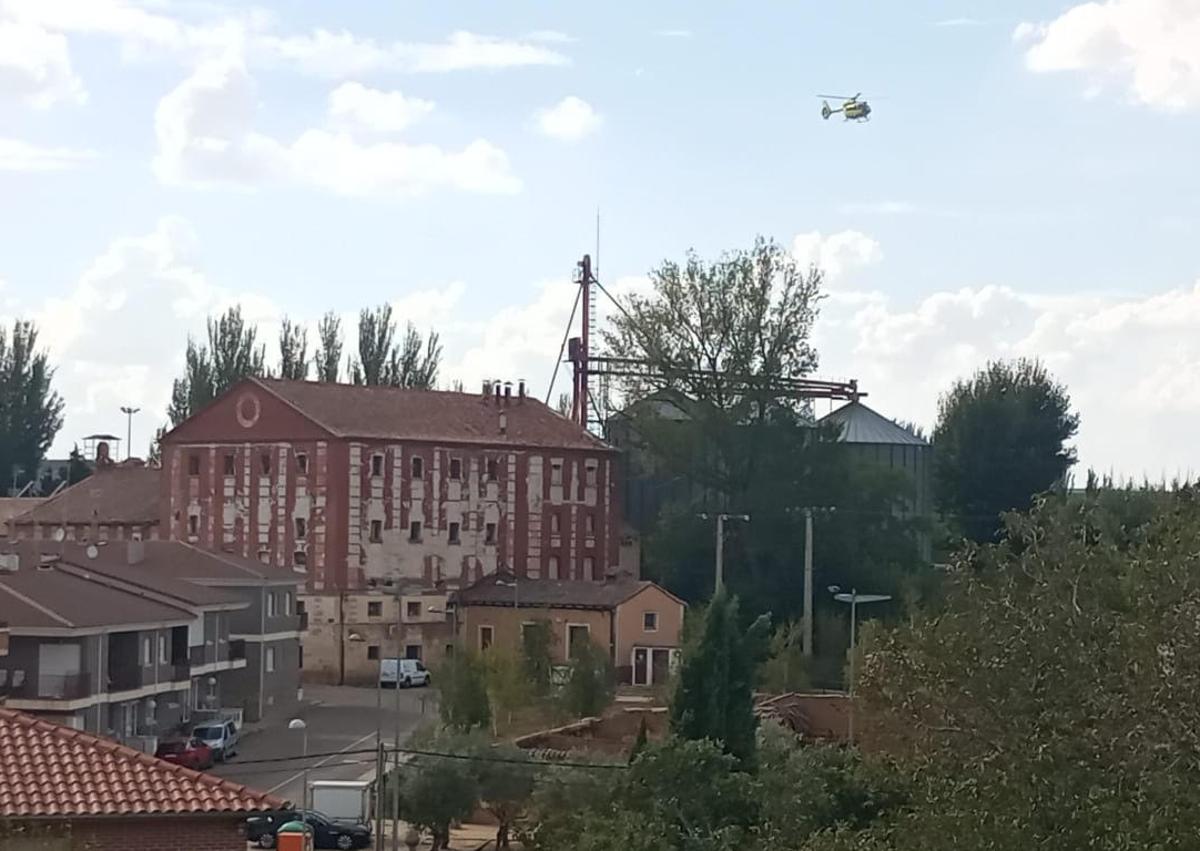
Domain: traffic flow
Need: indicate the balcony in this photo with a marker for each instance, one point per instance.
(50, 687)
(126, 677)
(237, 648)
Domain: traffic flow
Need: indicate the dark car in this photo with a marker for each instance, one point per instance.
(326, 832)
(190, 753)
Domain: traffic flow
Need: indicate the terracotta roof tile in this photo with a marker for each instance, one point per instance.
(47, 769)
(549, 593)
(118, 495)
(395, 413)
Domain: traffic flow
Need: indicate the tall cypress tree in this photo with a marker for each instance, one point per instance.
(30, 411)
(714, 698)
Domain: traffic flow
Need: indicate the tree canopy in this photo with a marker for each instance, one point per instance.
(230, 353)
(1001, 438)
(30, 409)
(413, 362)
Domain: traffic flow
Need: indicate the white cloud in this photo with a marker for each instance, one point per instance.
(16, 155)
(551, 37)
(342, 53)
(570, 119)
(1152, 47)
(836, 254)
(357, 107)
(676, 33)
(206, 137)
(1132, 365)
(35, 66)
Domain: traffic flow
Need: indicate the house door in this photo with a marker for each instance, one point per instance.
(641, 668)
(660, 666)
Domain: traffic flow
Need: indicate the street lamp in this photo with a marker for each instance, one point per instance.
(855, 600)
(721, 518)
(128, 412)
(298, 724)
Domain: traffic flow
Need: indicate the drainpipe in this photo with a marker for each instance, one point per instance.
(262, 645)
(342, 638)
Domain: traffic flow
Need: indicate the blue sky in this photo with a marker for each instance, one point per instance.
(1026, 187)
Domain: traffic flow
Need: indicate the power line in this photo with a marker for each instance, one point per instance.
(422, 753)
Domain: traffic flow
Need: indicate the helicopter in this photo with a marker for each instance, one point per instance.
(852, 108)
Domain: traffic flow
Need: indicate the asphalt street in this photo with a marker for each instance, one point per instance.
(341, 720)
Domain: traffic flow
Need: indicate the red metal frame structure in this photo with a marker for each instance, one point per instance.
(587, 365)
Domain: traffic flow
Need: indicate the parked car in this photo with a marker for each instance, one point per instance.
(326, 832)
(407, 672)
(220, 736)
(190, 753)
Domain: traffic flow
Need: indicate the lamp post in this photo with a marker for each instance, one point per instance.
(128, 412)
(854, 599)
(298, 724)
(721, 518)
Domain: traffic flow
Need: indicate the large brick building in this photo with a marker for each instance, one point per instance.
(357, 485)
(371, 488)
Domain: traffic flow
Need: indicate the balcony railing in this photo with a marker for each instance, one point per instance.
(49, 687)
(126, 677)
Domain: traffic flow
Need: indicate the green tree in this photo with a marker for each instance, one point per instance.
(588, 689)
(786, 668)
(328, 359)
(231, 352)
(508, 688)
(714, 696)
(1049, 702)
(412, 362)
(505, 775)
(536, 658)
(418, 360)
(1001, 439)
(463, 692)
(30, 409)
(293, 351)
(437, 792)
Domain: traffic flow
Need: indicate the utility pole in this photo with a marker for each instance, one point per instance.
(396, 740)
(808, 584)
(720, 559)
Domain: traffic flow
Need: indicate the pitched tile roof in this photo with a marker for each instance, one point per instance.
(50, 770)
(395, 413)
(549, 593)
(189, 562)
(117, 495)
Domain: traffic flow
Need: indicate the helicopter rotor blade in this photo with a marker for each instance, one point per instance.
(836, 97)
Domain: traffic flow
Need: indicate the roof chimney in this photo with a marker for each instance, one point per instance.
(521, 390)
(507, 392)
(487, 390)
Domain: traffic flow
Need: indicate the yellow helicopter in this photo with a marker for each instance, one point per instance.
(852, 108)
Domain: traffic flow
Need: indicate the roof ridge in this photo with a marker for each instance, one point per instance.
(265, 383)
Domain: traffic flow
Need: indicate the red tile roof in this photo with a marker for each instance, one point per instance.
(50, 770)
(395, 413)
(496, 590)
(118, 495)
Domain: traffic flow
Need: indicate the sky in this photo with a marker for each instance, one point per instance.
(1026, 186)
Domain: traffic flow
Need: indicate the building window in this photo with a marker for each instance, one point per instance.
(162, 650)
(418, 467)
(193, 464)
(372, 651)
(287, 603)
(650, 621)
(300, 558)
(455, 532)
(486, 634)
(376, 531)
(489, 534)
(270, 660)
(590, 474)
(491, 470)
(555, 523)
(456, 468)
(375, 610)
(300, 656)
(414, 531)
(301, 607)
(193, 525)
(412, 651)
(552, 567)
(376, 465)
(302, 463)
(228, 462)
(264, 461)
(556, 477)
(147, 652)
(578, 634)
(589, 566)
(412, 609)
(589, 525)
(301, 527)
(272, 604)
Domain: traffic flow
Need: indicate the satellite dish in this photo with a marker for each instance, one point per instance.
(60, 534)
(92, 551)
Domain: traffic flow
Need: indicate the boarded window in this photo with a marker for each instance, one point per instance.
(229, 464)
(456, 468)
(492, 469)
(589, 525)
(376, 531)
(590, 474)
(589, 567)
(376, 465)
(552, 567)
(555, 523)
(193, 464)
(454, 533)
(418, 468)
(489, 535)
(556, 472)
(414, 531)
(301, 527)
(301, 463)
(264, 461)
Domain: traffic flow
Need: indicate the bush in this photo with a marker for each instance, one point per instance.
(589, 687)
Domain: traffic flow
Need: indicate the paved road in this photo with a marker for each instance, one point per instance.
(342, 720)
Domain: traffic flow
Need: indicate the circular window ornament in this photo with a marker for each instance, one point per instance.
(248, 410)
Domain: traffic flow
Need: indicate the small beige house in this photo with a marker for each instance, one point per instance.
(640, 623)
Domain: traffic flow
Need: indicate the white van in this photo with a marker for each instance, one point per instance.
(410, 673)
